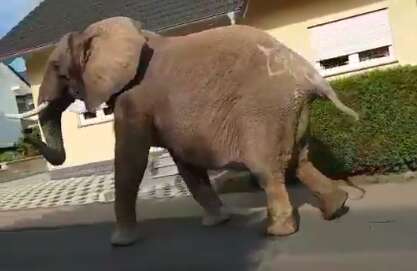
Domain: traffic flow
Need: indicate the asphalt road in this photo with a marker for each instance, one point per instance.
(379, 233)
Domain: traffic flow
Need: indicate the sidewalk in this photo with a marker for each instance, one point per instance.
(39, 191)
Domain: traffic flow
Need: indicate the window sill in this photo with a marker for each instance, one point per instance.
(86, 123)
(359, 66)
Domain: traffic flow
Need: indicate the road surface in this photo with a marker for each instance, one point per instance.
(379, 233)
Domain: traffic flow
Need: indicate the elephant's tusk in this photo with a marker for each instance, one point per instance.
(28, 114)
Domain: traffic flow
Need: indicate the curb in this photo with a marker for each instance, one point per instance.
(405, 177)
(234, 182)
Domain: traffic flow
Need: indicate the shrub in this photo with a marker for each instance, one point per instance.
(22, 149)
(25, 147)
(385, 138)
(7, 155)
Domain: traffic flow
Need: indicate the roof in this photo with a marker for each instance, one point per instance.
(48, 22)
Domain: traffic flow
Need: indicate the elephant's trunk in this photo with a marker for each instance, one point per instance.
(50, 121)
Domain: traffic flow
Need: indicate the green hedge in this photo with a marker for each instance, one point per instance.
(385, 138)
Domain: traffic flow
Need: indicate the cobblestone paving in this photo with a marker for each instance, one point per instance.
(40, 192)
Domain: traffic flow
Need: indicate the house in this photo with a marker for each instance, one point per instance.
(338, 37)
(342, 37)
(15, 97)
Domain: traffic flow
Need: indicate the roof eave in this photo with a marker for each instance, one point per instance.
(25, 52)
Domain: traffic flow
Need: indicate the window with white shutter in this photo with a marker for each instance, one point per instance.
(354, 43)
(103, 114)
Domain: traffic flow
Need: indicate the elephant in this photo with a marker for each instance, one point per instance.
(230, 97)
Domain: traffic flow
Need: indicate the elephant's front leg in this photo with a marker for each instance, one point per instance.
(131, 157)
(198, 183)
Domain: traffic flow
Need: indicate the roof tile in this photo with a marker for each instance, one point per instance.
(53, 18)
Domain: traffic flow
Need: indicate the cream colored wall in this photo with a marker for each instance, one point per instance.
(289, 20)
(83, 145)
(403, 16)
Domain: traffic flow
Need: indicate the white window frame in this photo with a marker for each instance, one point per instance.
(354, 63)
(100, 118)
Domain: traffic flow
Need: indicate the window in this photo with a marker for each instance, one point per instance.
(334, 62)
(88, 115)
(354, 43)
(374, 54)
(24, 103)
(104, 114)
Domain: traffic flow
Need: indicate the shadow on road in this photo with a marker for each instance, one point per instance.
(167, 244)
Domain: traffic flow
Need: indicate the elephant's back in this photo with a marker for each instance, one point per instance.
(215, 83)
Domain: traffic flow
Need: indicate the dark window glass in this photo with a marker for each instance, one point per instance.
(334, 62)
(374, 53)
(88, 115)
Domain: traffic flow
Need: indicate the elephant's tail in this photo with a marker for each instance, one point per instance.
(326, 91)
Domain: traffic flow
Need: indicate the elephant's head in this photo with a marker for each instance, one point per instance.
(91, 66)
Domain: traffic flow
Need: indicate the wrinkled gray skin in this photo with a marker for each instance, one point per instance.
(229, 97)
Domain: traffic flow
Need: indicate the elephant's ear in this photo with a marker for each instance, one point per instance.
(107, 54)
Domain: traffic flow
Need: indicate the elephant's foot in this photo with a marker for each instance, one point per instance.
(124, 235)
(215, 219)
(282, 226)
(332, 204)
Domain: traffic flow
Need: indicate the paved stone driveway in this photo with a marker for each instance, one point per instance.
(40, 192)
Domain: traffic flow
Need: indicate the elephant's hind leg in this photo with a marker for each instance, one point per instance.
(332, 199)
(199, 185)
(266, 153)
(281, 221)
(280, 211)
(131, 157)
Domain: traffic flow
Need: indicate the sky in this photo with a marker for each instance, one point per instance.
(11, 13)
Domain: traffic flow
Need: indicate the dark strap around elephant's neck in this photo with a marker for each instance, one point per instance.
(144, 60)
